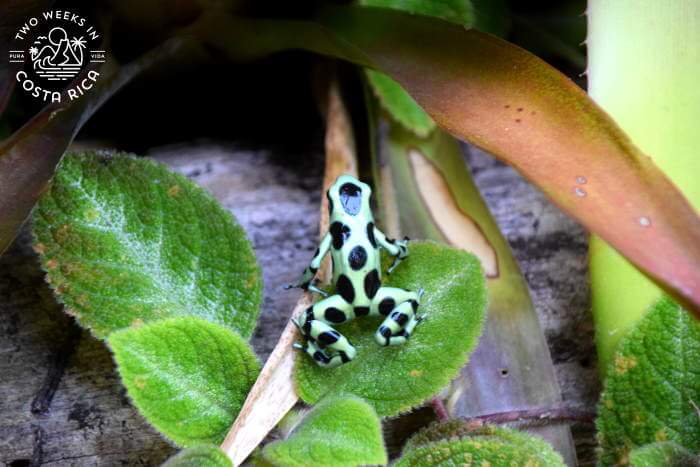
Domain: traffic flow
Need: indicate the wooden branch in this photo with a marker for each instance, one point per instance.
(273, 394)
(271, 397)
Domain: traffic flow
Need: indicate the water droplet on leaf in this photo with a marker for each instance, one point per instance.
(581, 180)
(580, 192)
(644, 221)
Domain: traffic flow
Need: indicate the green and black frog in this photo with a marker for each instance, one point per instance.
(354, 243)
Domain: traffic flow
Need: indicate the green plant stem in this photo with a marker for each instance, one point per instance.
(644, 63)
(428, 192)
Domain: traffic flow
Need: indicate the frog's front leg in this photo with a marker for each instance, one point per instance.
(396, 248)
(307, 276)
(400, 307)
(324, 344)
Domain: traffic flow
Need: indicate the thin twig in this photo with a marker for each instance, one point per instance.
(273, 394)
(439, 409)
(543, 414)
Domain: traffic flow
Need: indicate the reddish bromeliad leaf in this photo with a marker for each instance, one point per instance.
(498, 97)
(512, 104)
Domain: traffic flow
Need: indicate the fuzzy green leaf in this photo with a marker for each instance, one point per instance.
(200, 456)
(124, 240)
(394, 379)
(664, 454)
(188, 377)
(454, 428)
(482, 446)
(339, 431)
(652, 389)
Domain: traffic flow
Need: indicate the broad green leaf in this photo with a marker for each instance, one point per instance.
(188, 377)
(666, 454)
(482, 446)
(513, 105)
(394, 379)
(125, 241)
(652, 387)
(400, 104)
(339, 431)
(199, 456)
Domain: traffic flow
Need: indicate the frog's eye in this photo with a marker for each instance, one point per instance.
(351, 198)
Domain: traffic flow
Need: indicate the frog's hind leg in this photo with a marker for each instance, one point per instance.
(324, 344)
(331, 310)
(399, 306)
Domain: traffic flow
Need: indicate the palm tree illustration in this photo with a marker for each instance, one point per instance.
(78, 44)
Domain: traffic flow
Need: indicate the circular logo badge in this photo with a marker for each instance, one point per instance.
(50, 51)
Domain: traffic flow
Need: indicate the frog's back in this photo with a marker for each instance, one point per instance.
(356, 272)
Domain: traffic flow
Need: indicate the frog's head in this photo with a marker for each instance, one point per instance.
(349, 196)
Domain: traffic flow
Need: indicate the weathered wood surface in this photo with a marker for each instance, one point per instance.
(61, 400)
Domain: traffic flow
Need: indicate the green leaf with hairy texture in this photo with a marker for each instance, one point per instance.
(124, 240)
(394, 379)
(200, 456)
(400, 104)
(188, 377)
(486, 445)
(339, 431)
(652, 389)
(454, 428)
(665, 454)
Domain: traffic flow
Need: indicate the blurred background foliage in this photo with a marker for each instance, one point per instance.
(269, 101)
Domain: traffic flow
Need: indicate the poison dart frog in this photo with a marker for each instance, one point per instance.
(354, 243)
